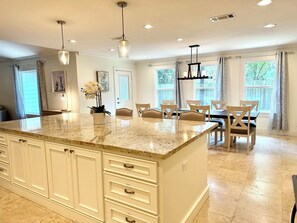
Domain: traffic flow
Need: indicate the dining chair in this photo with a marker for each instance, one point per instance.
(238, 128)
(193, 102)
(168, 102)
(152, 113)
(142, 107)
(253, 104)
(218, 104)
(192, 116)
(205, 109)
(168, 110)
(124, 112)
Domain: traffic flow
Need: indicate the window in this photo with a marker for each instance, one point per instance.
(165, 85)
(30, 93)
(204, 88)
(259, 76)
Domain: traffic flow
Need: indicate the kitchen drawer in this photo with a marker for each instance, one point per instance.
(4, 154)
(3, 138)
(5, 171)
(116, 213)
(137, 168)
(132, 192)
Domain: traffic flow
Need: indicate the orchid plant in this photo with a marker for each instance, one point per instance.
(92, 90)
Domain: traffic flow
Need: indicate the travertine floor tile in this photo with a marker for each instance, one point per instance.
(263, 188)
(263, 205)
(230, 175)
(220, 204)
(209, 217)
(53, 218)
(226, 188)
(251, 217)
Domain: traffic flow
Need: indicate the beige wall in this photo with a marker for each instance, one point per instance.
(145, 80)
(87, 66)
(54, 99)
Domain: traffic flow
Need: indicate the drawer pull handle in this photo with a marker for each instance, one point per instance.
(65, 150)
(130, 221)
(1, 169)
(24, 140)
(21, 140)
(0, 152)
(71, 151)
(129, 191)
(128, 166)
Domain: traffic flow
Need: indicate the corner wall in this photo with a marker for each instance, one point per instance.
(87, 65)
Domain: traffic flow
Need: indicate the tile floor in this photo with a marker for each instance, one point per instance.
(255, 188)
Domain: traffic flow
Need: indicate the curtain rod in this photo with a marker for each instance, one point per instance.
(262, 55)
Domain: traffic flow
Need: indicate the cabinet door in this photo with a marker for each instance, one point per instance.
(87, 182)
(36, 167)
(17, 161)
(59, 173)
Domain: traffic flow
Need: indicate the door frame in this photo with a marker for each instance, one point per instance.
(115, 69)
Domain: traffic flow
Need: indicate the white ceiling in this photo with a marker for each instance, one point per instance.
(92, 23)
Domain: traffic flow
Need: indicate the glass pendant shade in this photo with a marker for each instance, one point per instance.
(63, 57)
(123, 48)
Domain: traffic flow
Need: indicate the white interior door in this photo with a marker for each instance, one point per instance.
(123, 88)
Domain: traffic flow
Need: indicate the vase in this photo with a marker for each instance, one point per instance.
(99, 118)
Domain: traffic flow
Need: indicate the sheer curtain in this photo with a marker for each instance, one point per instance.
(178, 86)
(42, 86)
(278, 113)
(18, 91)
(220, 86)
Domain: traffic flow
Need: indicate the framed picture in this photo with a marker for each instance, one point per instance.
(103, 80)
(59, 81)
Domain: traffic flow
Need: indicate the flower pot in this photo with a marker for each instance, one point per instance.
(99, 118)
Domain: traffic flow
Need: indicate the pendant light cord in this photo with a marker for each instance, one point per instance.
(62, 36)
(123, 22)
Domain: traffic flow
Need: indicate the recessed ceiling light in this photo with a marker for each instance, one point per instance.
(270, 25)
(179, 39)
(72, 41)
(111, 50)
(264, 2)
(148, 26)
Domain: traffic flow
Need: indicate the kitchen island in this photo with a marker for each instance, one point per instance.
(126, 170)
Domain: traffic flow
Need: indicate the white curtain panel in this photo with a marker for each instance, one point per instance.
(178, 85)
(220, 86)
(278, 114)
(18, 91)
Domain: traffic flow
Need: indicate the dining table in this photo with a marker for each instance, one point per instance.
(222, 114)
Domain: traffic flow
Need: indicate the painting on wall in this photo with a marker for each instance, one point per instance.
(103, 80)
(59, 81)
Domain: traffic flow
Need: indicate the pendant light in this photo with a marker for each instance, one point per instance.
(63, 55)
(123, 44)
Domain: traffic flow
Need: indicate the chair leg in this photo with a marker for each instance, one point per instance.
(228, 142)
(208, 140)
(248, 145)
(221, 134)
(254, 140)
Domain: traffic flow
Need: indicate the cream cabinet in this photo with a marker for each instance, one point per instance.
(28, 163)
(4, 158)
(75, 178)
(131, 190)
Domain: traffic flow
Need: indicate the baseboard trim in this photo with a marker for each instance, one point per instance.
(193, 212)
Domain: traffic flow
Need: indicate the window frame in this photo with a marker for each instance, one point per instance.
(242, 78)
(212, 62)
(169, 67)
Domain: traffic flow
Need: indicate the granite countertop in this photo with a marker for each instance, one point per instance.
(145, 137)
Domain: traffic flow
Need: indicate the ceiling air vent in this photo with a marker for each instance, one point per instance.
(222, 17)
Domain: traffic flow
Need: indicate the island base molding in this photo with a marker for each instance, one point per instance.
(61, 209)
